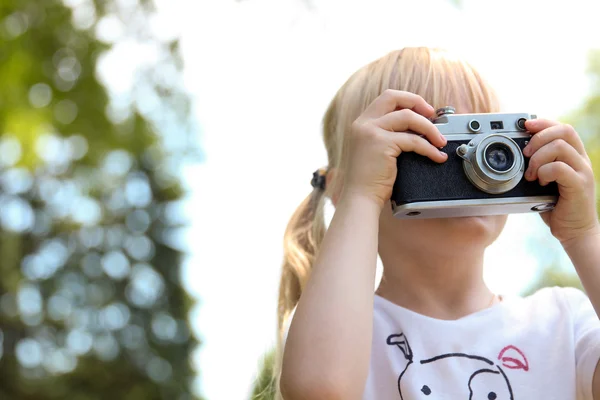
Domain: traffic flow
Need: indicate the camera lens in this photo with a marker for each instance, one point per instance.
(499, 157)
(493, 163)
(474, 125)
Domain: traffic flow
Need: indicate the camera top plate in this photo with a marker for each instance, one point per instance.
(449, 123)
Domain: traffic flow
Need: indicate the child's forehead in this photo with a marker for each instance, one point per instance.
(465, 100)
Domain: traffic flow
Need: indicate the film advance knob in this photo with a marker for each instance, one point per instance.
(445, 110)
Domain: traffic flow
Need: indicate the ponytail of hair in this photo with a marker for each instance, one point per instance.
(302, 238)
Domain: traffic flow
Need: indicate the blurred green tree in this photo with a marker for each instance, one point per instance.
(554, 275)
(264, 388)
(91, 301)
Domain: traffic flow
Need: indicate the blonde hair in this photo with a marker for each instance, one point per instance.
(439, 77)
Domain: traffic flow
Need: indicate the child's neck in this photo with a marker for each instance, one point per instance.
(442, 286)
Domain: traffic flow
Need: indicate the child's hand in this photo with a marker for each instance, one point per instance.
(558, 155)
(378, 137)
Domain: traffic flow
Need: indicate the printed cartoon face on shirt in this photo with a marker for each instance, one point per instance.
(479, 377)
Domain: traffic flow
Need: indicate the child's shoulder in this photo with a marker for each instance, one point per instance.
(569, 300)
(566, 295)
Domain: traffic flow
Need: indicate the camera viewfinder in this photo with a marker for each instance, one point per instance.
(497, 125)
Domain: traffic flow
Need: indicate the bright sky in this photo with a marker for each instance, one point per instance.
(262, 73)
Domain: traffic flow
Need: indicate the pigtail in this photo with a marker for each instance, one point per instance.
(303, 235)
(302, 238)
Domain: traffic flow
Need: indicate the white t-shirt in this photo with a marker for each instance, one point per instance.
(545, 346)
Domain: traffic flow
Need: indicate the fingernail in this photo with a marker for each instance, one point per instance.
(526, 151)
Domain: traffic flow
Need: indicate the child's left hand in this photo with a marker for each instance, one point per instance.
(558, 155)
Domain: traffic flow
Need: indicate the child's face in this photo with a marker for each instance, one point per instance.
(445, 234)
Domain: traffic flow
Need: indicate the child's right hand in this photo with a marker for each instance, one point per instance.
(380, 135)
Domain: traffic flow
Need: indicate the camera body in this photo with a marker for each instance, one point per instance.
(482, 176)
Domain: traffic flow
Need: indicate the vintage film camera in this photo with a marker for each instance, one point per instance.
(482, 176)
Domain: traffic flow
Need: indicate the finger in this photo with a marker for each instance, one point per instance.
(409, 142)
(566, 177)
(546, 217)
(391, 100)
(559, 131)
(536, 125)
(408, 120)
(557, 150)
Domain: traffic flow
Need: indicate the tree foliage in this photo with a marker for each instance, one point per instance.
(264, 386)
(552, 276)
(91, 303)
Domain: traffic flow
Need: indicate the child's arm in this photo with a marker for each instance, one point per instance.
(585, 255)
(328, 347)
(558, 155)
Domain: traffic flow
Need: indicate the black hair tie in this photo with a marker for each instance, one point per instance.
(319, 179)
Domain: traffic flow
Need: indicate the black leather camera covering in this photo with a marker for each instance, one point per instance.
(420, 179)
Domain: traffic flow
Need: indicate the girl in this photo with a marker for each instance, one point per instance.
(432, 329)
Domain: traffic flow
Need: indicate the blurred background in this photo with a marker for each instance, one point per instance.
(152, 152)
